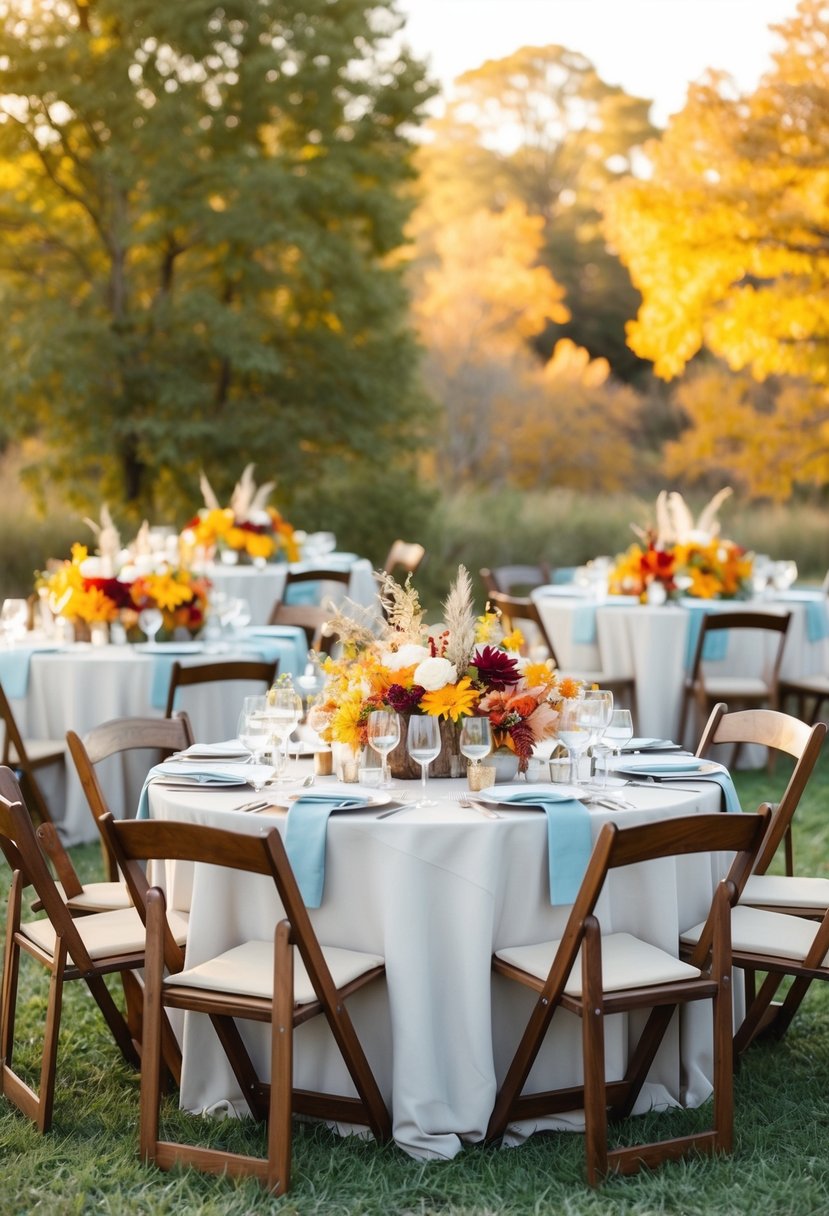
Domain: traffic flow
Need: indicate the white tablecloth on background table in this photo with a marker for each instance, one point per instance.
(654, 645)
(262, 587)
(81, 686)
(436, 891)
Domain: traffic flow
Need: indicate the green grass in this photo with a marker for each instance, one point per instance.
(89, 1162)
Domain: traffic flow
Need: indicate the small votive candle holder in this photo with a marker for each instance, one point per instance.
(481, 776)
(350, 769)
(537, 770)
(560, 771)
(324, 763)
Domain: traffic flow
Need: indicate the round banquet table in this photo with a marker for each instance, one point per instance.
(435, 891)
(654, 645)
(78, 687)
(262, 587)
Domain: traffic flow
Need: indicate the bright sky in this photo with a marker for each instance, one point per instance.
(653, 48)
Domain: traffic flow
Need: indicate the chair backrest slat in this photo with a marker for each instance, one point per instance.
(186, 675)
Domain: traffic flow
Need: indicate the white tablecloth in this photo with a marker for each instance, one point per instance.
(436, 891)
(652, 644)
(263, 587)
(81, 686)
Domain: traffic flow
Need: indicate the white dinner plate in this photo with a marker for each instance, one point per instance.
(284, 797)
(680, 766)
(201, 756)
(651, 745)
(544, 791)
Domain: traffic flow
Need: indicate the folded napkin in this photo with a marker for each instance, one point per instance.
(288, 644)
(716, 644)
(230, 749)
(210, 773)
(14, 669)
(305, 834)
(569, 842)
(817, 619)
(685, 768)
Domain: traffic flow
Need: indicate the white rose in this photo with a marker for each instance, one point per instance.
(434, 674)
(406, 656)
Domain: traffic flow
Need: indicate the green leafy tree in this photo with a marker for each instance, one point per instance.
(201, 207)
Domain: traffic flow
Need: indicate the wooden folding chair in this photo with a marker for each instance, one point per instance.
(284, 980)
(26, 757)
(84, 949)
(187, 676)
(515, 580)
(404, 557)
(744, 692)
(516, 609)
(310, 617)
(782, 734)
(593, 975)
(160, 735)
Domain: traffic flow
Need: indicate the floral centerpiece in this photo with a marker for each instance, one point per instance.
(465, 666)
(247, 528)
(684, 556)
(118, 584)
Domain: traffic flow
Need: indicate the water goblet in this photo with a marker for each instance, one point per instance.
(253, 729)
(475, 739)
(594, 714)
(619, 730)
(150, 621)
(14, 617)
(383, 732)
(423, 744)
(572, 734)
(283, 712)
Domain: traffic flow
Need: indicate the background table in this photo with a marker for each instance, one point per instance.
(262, 587)
(436, 891)
(655, 645)
(78, 687)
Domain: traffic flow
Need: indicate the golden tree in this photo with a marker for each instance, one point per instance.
(728, 242)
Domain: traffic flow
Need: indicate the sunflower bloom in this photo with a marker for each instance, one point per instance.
(452, 701)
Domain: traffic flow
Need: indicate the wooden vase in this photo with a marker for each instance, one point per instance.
(449, 762)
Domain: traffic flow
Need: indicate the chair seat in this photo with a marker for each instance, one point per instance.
(786, 891)
(736, 686)
(627, 962)
(248, 971)
(98, 897)
(40, 750)
(105, 933)
(819, 685)
(755, 931)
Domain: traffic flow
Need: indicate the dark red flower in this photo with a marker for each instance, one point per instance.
(404, 700)
(496, 669)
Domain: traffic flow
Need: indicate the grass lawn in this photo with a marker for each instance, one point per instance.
(89, 1163)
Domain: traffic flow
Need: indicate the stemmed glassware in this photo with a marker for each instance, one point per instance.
(475, 741)
(619, 730)
(423, 744)
(150, 621)
(253, 729)
(595, 710)
(573, 734)
(383, 732)
(13, 618)
(283, 711)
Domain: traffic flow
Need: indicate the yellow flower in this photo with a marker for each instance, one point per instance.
(513, 641)
(539, 675)
(259, 545)
(92, 605)
(485, 626)
(346, 726)
(452, 701)
(236, 538)
(167, 591)
(568, 688)
(79, 553)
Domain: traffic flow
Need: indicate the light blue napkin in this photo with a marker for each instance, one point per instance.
(817, 619)
(14, 671)
(583, 625)
(569, 842)
(160, 680)
(685, 769)
(211, 773)
(288, 644)
(305, 833)
(716, 644)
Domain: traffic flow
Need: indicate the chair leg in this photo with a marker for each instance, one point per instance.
(595, 1098)
(756, 1012)
(723, 1028)
(50, 1039)
(11, 970)
(114, 1019)
(789, 1007)
(282, 1071)
(150, 1093)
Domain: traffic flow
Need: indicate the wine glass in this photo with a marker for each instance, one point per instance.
(253, 729)
(475, 739)
(619, 730)
(572, 734)
(594, 714)
(14, 617)
(383, 732)
(423, 744)
(283, 712)
(150, 621)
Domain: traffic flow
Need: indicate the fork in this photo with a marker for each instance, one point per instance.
(468, 804)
